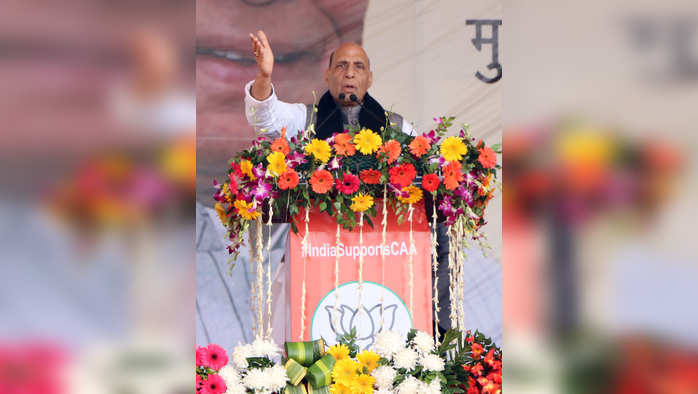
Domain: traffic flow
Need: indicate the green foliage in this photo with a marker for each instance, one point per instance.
(349, 340)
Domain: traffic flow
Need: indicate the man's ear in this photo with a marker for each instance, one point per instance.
(327, 77)
(370, 80)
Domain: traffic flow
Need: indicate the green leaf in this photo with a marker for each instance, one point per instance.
(323, 206)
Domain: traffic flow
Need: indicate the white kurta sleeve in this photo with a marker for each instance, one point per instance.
(269, 116)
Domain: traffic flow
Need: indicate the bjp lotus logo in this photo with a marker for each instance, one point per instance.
(338, 313)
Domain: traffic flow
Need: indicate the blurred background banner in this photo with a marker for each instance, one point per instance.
(428, 59)
(98, 195)
(600, 270)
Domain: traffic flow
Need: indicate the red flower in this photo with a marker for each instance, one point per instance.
(489, 358)
(470, 339)
(371, 177)
(349, 184)
(477, 369)
(233, 182)
(201, 356)
(321, 181)
(472, 386)
(487, 157)
(288, 180)
(402, 175)
(215, 385)
(216, 357)
(430, 182)
(477, 351)
(495, 377)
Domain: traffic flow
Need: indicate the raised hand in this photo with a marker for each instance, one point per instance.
(262, 54)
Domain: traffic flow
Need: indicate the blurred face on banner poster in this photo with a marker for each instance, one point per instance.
(303, 35)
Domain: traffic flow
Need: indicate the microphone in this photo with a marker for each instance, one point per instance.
(342, 96)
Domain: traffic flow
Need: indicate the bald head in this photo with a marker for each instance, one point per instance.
(355, 46)
(349, 73)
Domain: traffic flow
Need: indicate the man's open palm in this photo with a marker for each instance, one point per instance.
(262, 53)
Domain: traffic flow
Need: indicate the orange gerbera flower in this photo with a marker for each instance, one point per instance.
(343, 145)
(281, 144)
(419, 146)
(403, 174)
(370, 177)
(288, 180)
(390, 150)
(452, 175)
(487, 157)
(321, 181)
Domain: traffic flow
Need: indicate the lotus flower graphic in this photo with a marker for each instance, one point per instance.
(367, 321)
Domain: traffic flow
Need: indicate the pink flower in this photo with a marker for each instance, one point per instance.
(201, 356)
(214, 385)
(349, 184)
(216, 358)
(199, 381)
(262, 190)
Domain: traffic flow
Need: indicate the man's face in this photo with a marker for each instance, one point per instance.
(349, 73)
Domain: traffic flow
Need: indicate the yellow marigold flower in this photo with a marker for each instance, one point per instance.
(361, 202)
(367, 141)
(277, 163)
(246, 210)
(414, 197)
(363, 384)
(220, 210)
(368, 359)
(338, 388)
(339, 352)
(453, 149)
(246, 168)
(345, 371)
(320, 150)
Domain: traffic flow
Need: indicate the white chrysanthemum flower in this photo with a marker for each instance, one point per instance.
(264, 348)
(423, 342)
(236, 389)
(240, 355)
(256, 379)
(432, 362)
(388, 343)
(434, 387)
(385, 376)
(383, 391)
(277, 377)
(229, 375)
(406, 358)
(409, 386)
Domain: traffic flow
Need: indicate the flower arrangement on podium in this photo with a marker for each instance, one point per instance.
(462, 363)
(346, 176)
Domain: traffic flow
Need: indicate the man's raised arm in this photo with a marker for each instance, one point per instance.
(261, 89)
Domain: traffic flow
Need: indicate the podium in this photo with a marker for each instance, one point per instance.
(384, 293)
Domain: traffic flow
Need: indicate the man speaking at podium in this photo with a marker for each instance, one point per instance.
(346, 102)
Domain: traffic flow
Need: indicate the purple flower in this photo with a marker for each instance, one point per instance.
(294, 140)
(462, 133)
(259, 171)
(432, 136)
(262, 190)
(464, 194)
(295, 159)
